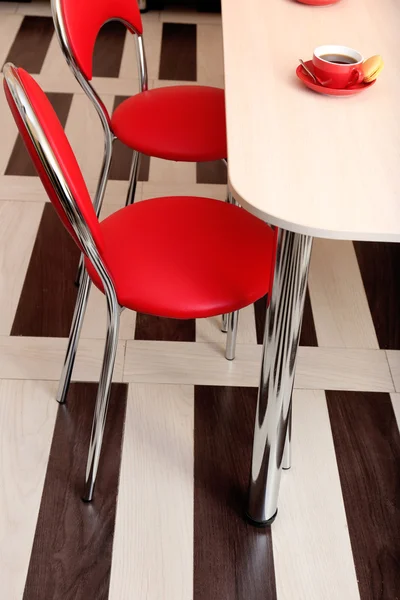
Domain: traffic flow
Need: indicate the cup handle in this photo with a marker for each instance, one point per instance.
(357, 76)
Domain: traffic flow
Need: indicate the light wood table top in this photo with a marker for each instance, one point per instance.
(312, 164)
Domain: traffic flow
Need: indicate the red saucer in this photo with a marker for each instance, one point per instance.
(306, 79)
(318, 2)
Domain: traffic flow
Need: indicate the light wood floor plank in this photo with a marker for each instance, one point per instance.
(153, 539)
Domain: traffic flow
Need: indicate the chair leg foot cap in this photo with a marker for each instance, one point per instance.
(261, 524)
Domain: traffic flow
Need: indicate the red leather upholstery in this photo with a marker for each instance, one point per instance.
(62, 150)
(83, 20)
(183, 123)
(181, 257)
(186, 257)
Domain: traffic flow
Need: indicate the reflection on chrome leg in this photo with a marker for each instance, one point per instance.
(287, 452)
(130, 198)
(281, 339)
(224, 327)
(230, 350)
(76, 326)
(103, 396)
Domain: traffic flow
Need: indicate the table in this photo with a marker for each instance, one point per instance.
(309, 164)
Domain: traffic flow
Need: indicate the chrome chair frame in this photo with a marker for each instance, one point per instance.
(83, 234)
(230, 324)
(259, 503)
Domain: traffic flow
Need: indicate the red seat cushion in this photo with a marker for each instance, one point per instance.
(186, 257)
(182, 123)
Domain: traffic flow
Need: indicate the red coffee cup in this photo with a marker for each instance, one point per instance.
(337, 67)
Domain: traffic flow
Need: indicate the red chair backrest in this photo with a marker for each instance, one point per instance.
(34, 103)
(83, 19)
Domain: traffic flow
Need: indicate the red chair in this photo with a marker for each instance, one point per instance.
(149, 256)
(179, 123)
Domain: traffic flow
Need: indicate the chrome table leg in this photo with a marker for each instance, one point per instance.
(281, 340)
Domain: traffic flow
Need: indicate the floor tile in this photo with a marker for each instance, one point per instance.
(85, 134)
(393, 357)
(154, 525)
(205, 364)
(108, 49)
(232, 559)
(178, 58)
(343, 369)
(340, 307)
(210, 67)
(27, 417)
(167, 171)
(48, 296)
(312, 550)
(95, 323)
(209, 330)
(37, 7)
(72, 549)
(367, 445)
(152, 34)
(18, 228)
(55, 67)
(9, 26)
(8, 7)
(31, 43)
(42, 358)
(153, 189)
(396, 407)
(179, 15)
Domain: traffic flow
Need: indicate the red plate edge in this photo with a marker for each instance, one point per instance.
(318, 2)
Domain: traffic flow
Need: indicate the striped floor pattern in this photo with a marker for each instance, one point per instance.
(167, 519)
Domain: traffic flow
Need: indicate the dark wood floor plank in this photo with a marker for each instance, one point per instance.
(308, 335)
(31, 43)
(260, 311)
(367, 444)
(211, 172)
(161, 329)
(380, 271)
(178, 52)
(20, 163)
(232, 560)
(48, 296)
(108, 49)
(72, 549)
(122, 157)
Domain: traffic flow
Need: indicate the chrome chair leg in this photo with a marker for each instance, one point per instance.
(230, 322)
(287, 452)
(102, 400)
(130, 198)
(76, 326)
(281, 340)
(230, 350)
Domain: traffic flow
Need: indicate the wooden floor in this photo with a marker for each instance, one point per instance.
(167, 519)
